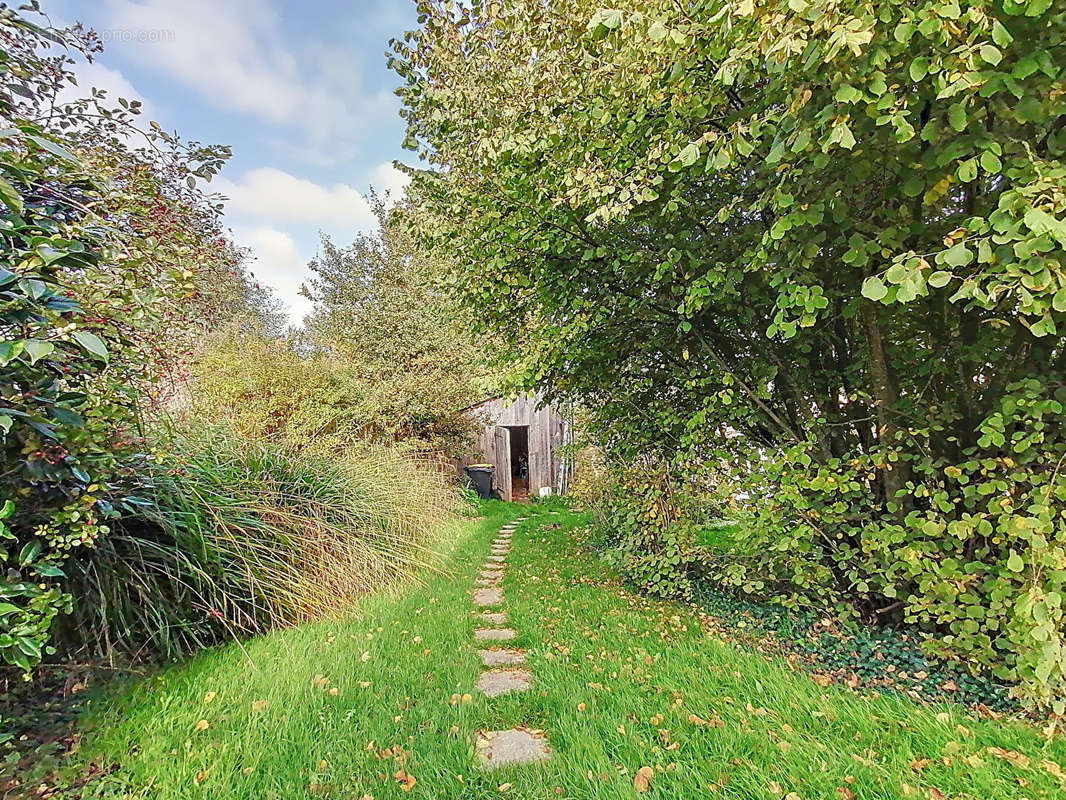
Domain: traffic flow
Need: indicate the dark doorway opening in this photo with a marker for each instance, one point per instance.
(519, 461)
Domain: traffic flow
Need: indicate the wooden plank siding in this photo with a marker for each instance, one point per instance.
(548, 432)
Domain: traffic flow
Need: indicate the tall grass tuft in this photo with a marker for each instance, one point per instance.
(235, 537)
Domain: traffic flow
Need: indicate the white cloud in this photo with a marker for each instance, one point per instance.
(278, 264)
(230, 52)
(271, 194)
(238, 56)
(385, 178)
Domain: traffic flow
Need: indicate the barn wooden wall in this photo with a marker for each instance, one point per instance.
(547, 431)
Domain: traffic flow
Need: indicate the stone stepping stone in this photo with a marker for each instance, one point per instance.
(497, 559)
(494, 617)
(487, 582)
(501, 657)
(491, 574)
(515, 746)
(494, 634)
(488, 597)
(495, 682)
(500, 550)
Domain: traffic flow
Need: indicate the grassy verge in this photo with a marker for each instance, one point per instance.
(341, 708)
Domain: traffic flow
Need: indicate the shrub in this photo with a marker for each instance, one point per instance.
(642, 514)
(105, 249)
(233, 537)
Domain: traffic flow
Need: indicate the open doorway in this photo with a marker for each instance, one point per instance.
(519, 461)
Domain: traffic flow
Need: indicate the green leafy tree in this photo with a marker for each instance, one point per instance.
(816, 243)
(407, 346)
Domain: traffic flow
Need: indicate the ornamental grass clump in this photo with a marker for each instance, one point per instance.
(234, 537)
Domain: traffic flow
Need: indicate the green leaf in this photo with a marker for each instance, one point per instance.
(967, 170)
(9, 194)
(1058, 302)
(873, 288)
(689, 155)
(957, 116)
(913, 186)
(64, 416)
(939, 279)
(958, 256)
(1001, 35)
(903, 32)
(1015, 562)
(991, 54)
(990, 163)
(92, 343)
(36, 349)
(55, 149)
(1030, 109)
(847, 94)
(842, 135)
(918, 69)
(9, 351)
(1040, 222)
(30, 551)
(657, 31)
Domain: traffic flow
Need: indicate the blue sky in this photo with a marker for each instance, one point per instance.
(300, 90)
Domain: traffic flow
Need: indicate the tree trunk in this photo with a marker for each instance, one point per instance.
(883, 389)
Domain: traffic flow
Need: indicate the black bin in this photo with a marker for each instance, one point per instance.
(481, 475)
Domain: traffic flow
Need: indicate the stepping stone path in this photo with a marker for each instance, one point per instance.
(493, 634)
(501, 681)
(516, 746)
(504, 673)
(499, 657)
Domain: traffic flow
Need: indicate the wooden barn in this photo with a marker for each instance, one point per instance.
(522, 438)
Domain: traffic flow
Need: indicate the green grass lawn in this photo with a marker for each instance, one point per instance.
(338, 709)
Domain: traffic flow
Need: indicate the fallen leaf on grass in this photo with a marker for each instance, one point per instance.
(504, 787)
(642, 780)
(201, 776)
(210, 697)
(406, 781)
(1018, 759)
(845, 793)
(203, 725)
(1054, 769)
(259, 705)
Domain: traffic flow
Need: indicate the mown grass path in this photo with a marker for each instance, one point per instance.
(382, 705)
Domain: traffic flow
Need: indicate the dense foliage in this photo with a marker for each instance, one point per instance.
(815, 245)
(105, 248)
(386, 356)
